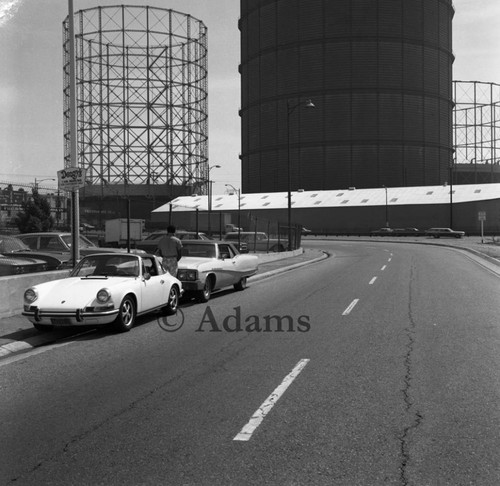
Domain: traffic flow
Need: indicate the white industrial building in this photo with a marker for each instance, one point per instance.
(348, 211)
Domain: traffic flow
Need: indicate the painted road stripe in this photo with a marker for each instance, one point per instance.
(259, 415)
(383, 268)
(351, 307)
(372, 281)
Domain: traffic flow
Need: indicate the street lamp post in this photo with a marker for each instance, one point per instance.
(452, 163)
(289, 110)
(210, 198)
(37, 181)
(238, 191)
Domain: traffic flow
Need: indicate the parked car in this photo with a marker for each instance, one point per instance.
(10, 265)
(54, 242)
(14, 247)
(207, 266)
(444, 232)
(102, 289)
(150, 243)
(257, 241)
(57, 242)
(382, 232)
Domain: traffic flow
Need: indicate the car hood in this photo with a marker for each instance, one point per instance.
(195, 262)
(76, 292)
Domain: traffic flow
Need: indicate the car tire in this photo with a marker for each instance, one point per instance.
(241, 285)
(126, 315)
(277, 248)
(206, 292)
(173, 301)
(43, 327)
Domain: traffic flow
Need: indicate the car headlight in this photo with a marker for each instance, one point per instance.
(30, 295)
(187, 275)
(103, 295)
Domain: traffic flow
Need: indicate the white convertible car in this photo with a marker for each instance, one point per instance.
(206, 266)
(102, 289)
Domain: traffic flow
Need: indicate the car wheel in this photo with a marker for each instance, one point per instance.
(126, 315)
(173, 301)
(277, 248)
(241, 285)
(204, 295)
(43, 327)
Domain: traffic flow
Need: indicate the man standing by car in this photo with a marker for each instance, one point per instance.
(169, 248)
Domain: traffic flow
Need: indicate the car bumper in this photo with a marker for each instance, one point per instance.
(192, 286)
(69, 318)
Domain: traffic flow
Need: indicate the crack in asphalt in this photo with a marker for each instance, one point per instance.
(410, 408)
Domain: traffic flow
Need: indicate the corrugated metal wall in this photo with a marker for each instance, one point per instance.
(380, 75)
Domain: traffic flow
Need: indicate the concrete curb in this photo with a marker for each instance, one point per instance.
(271, 273)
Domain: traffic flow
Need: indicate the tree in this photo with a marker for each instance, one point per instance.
(35, 215)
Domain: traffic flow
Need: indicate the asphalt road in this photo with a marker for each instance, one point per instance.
(381, 365)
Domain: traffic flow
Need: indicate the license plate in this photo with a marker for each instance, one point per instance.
(60, 321)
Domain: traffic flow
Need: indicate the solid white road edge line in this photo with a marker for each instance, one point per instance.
(372, 281)
(259, 415)
(350, 307)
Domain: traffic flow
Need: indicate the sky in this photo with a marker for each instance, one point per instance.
(31, 81)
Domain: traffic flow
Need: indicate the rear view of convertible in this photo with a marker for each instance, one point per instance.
(103, 289)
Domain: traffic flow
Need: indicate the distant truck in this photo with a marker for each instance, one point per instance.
(115, 233)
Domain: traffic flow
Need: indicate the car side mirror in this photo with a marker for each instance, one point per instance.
(147, 276)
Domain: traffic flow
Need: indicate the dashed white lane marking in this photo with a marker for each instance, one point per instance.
(383, 268)
(389, 259)
(350, 307)
(259, 415)
(372, 281)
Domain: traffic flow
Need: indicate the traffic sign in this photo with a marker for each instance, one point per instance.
(71, 179)
(481, 215)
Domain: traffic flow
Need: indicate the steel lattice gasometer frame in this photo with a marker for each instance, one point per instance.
(141, 76)
(476, 122)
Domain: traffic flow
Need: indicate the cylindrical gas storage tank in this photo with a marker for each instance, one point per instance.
(379, 73)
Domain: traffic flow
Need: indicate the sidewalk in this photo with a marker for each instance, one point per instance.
(17, 333)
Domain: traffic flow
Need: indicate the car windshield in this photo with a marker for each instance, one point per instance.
(84, 242)
(115, 265)
(9, 244)
(203, 251)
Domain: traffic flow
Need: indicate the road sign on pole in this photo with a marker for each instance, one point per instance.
(481, 216)
(71, 179)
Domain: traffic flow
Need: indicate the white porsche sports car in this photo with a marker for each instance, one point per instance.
(207, 266)
(102, 289)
